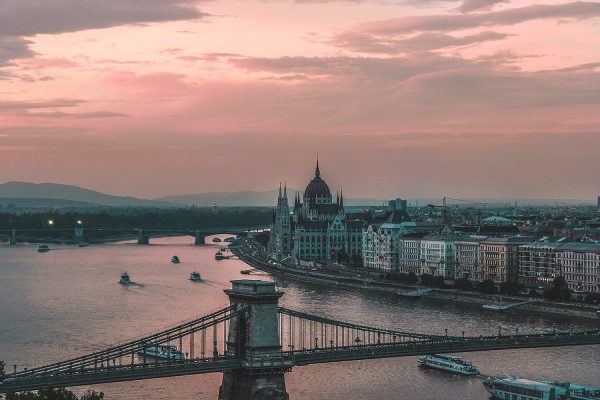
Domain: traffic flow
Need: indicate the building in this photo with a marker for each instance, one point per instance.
(537, 264)
(467, 264)
(438, 255)
(499, 258)
(579, 263)
(409, 253)
(317, 229)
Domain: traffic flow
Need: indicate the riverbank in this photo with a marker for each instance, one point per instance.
(253, 257)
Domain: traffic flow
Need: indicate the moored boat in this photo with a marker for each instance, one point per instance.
(195, 276)
(164, 351)
(175, 260)
(83, 244)
(219, 256)
(512, 387)
(449, 363)
(125, 279)
(42, 248)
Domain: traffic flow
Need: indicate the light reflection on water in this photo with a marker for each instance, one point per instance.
(67, 302)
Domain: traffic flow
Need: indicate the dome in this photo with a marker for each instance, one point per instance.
(317, 188)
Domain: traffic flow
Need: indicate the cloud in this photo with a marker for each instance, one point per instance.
(24, 18)
(31, 17)
(30, 105)
(427, 41)
(454, 22)
(476, 5)
(12, 48)
(82, 115)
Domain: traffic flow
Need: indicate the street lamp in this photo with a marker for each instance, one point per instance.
(50, 222)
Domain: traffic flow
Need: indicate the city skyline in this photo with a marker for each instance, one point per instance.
(481, 98)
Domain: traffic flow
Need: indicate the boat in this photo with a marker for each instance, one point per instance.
(229, 239)
(512, 387)
(449, 363)
(195, 276)
(246, 271)
(175, 260)
(165, 351)
(125, 279)
(42, 248)
(219, 256)
(216, 240)
(83, 244)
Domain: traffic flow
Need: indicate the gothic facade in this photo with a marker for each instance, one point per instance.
(316, 229)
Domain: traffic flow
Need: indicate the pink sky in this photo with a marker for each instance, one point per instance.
(474, 98)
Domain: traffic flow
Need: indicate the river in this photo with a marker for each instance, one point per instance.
(67, 302)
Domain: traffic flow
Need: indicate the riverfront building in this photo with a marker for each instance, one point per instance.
(537, 264)
(499, 258)
(468, 265)
(579, 263)
(317, 229)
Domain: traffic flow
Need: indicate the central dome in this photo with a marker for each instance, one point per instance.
(317, 188)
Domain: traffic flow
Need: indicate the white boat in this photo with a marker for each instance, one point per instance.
(125, 279)
(449, 363)
(164, 351)
(195, 276)
(175, 260)
(42, 248)
(512, 387)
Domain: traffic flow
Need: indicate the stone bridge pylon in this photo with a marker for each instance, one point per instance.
(254, 337)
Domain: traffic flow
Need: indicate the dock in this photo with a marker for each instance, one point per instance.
(415, 294)
(506, 306)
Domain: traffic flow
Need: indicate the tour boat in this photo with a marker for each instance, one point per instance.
(195, 276)
(216, 240)
(449, 363)
(219, 256)
(512, 387)
(83, 244)
(166, 351)
(125, 279)
(42, 248)
(175, 260)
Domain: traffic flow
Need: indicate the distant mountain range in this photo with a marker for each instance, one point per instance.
(247, 198)
(24, 194)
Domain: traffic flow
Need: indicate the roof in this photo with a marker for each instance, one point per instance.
(496, 218)
(508, 240)
(398, 216)
(584, 247)
(317, 187)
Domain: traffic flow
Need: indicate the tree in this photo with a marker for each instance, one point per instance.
(412, 278)
(427, 280)
(559, 290)
(463, 284)
(487, 286)
(509, 287)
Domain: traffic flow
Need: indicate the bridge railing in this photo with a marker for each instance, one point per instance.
(207, 325)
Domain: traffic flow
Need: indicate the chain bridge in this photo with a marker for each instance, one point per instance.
(254, 342)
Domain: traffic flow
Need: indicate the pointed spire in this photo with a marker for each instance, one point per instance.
(342, 198)
(279, 190)
(317, 171)
(285, 190)
(337, 197)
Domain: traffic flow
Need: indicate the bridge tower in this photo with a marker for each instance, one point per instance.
(12, 240)
(199, 238)
(78, 237)
(141, 238)
(254, 337)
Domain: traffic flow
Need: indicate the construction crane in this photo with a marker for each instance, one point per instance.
(463, 203)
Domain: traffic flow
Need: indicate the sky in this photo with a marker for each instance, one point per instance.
(409, 98)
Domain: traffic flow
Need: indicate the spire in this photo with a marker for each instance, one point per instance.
(337, 201)
(342, 198)
(279, 190)
(317, 171)
(285, 190)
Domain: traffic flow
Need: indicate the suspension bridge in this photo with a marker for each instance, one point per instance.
(254, 342)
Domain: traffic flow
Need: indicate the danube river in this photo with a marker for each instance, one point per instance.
(67, 302)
